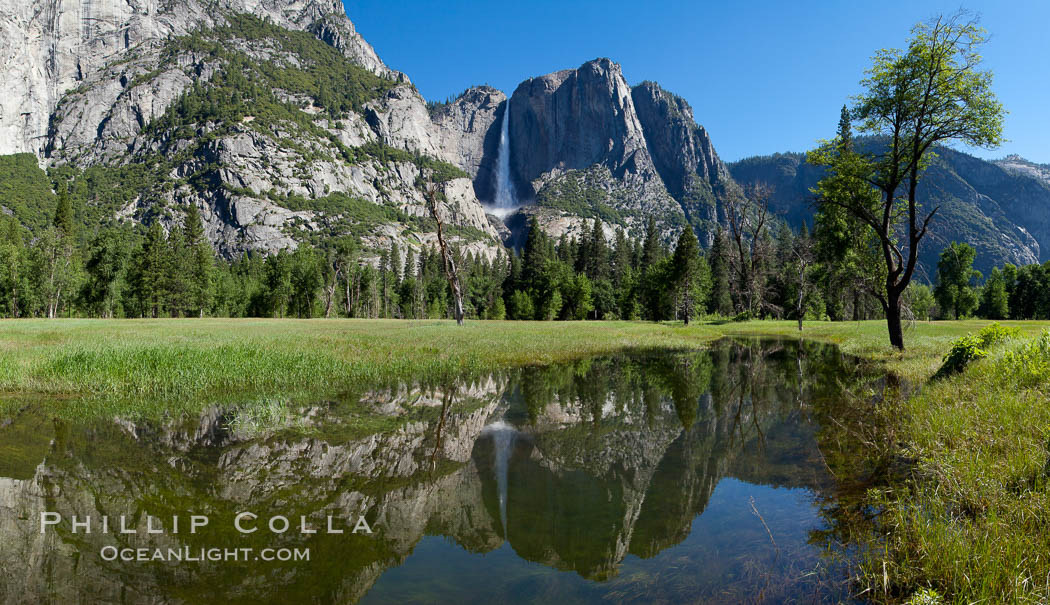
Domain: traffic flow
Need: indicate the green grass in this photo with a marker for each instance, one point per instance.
(169, 365)
(188, 357)
(176, 362)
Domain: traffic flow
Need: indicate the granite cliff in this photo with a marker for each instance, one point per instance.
(277, 120)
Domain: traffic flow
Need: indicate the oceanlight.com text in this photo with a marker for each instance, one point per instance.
(197, 555)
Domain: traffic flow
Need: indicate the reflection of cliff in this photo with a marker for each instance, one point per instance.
(400, 480)
(612, 456)
(620, 457)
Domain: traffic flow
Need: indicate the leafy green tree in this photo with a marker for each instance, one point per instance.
(521, 306)
(498, 311)
(305, 277)
(799, 264)
(845, 248)
(278, 283)
(14, 282)
(919, 298)
(931, 93)
(955, 280)
(578, 297)
(57, 264)
(655, 297)
(995, 300)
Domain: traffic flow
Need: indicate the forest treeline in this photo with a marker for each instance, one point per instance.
(758, 267)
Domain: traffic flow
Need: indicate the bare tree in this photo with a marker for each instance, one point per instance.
(803, 253)
(446, 256)
(747, 217)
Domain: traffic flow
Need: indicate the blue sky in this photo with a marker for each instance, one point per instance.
(761, 76)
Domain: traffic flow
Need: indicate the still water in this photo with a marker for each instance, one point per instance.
(659, 477)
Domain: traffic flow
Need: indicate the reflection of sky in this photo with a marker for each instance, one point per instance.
(728, 550)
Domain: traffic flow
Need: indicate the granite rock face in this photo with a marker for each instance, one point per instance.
(467, 132)
(684, 157)
(49, 47)
(579, 149)
(573, 119)
(91, 80)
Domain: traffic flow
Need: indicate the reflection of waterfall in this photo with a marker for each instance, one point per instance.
(503, 436)
(506, 200)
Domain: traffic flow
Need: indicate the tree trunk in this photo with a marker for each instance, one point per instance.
(893, 318)
(798, 305)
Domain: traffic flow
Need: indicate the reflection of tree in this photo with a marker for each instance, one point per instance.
(447, 398)
(686, 378)
(856, 413)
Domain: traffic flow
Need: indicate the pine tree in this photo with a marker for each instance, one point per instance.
(597, 264)
(651, 249)
(719, 301)
(200, 260)
(537, 251)
(148, 276)
(177, 278)
(845, 130)
(686, 274)
(65, 222)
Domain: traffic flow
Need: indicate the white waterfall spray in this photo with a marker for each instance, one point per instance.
(506, 200)
(503, 437)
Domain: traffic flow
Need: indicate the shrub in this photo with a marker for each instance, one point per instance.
(973, 346)
(963, 351)
(996, 333)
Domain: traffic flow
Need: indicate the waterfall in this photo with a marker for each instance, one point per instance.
(503, 437)
(506, 199)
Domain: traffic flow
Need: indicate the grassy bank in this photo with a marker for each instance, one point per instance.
(969, 522)
(968, 518)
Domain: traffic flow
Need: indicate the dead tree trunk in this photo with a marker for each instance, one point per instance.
(449, 261)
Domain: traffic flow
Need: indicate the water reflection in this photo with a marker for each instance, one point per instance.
(657, 477)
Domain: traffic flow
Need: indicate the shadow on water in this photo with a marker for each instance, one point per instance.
(650, 478)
